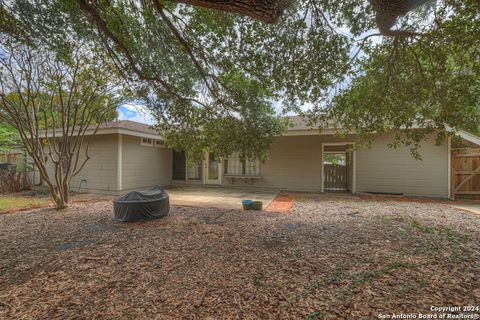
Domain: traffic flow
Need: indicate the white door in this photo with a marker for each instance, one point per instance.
(213, 174)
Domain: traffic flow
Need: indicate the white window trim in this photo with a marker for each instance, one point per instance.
(354, 156)
(243, 175)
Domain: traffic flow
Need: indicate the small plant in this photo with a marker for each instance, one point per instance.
(337, 273)
(315, 315)
(386, 219)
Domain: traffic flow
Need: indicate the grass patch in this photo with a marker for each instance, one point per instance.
(355, 279)
(387, 219)
(316, 315)
(13, 203)
(365, 277)
(448, 232)
(398, 293)
(417, 225)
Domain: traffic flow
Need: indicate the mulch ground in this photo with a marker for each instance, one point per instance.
(329, 258)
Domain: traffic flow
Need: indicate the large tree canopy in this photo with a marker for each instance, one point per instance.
(52, 102)
(9, 138)
(219, 71)
(386, 11)
(432, 83)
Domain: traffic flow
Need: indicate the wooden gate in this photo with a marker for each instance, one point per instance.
(466, 173)
(335, 177)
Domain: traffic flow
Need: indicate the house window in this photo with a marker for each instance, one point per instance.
(235, 166)
(147, 142)
(159, 143)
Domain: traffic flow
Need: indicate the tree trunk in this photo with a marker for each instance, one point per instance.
(58, 195)
(387, 11)
(263, 10)
(57, 198)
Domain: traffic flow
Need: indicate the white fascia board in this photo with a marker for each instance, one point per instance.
(124, 131)
(310, 132)
(465, 135)
(139, 134)
(469, 137)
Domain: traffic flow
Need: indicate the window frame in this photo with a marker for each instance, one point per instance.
(147, 143)
(243, 163)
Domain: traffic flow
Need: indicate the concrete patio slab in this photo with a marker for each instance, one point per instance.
(217, 197)
(471, 207)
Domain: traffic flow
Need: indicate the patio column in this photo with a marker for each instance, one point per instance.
(119, 162)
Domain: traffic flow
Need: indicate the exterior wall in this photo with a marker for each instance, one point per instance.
(99, 175)
(382, 169)
(144, 166)
(295, 164)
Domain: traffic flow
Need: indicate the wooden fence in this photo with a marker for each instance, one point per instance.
(11, 157)
(335, 176)
(466, 173)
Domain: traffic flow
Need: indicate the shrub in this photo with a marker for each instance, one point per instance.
(11, 180)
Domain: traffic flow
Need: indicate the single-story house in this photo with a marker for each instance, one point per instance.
(126, 156)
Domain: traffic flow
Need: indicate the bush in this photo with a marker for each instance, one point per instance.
(11, 180)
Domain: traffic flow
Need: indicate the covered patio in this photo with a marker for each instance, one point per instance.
(217, 197)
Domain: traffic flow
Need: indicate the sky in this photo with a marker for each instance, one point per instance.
(135, 112)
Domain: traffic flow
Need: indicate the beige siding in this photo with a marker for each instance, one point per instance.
(295, 164)
(100, 172)
(382, 169)
(144, 166)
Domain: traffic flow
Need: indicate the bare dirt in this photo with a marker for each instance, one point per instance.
(330, 257)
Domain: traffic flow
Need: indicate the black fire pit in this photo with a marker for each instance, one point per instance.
(142, 205)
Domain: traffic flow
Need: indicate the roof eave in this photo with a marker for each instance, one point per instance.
(124, 131)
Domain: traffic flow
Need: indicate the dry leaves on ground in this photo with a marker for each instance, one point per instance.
(329, 258)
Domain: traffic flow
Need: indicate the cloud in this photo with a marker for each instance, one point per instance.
(127, 113)
(135, 112)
